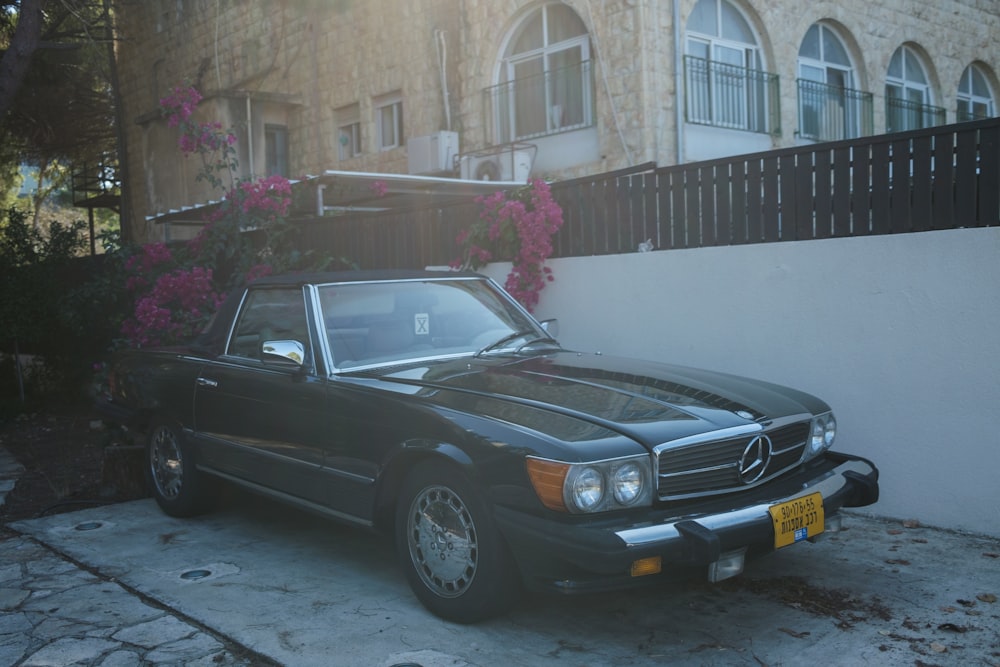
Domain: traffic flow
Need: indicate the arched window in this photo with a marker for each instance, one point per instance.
(829, 106)
(726, 86)
(545, 82)
(908, 95)
(975, 100)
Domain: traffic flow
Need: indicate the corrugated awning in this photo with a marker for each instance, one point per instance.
(343, 191)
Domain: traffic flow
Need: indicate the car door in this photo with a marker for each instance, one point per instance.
(261, 422)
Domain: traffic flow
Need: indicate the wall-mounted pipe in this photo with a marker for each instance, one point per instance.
(441, 43)
(678, 83)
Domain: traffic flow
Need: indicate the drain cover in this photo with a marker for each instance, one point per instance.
(192, 575)
(88, 525)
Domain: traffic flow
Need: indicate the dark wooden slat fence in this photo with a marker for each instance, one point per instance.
(933, 179)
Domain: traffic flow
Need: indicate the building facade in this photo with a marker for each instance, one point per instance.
(502, 90)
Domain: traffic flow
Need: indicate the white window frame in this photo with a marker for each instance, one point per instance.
(506, 114)
(721, 110)
(907, 87)
(967, 99)
(389, 122)
(826, 71)
(276, 157)
(349, 137)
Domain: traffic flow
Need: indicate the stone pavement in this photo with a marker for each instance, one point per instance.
(54, 611)
(254, 583)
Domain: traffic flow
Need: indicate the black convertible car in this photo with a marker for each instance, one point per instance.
(432, 406)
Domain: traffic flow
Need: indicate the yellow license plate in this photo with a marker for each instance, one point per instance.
(797, 519)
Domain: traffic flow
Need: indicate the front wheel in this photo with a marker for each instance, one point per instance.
(455, 559)
(176, 484)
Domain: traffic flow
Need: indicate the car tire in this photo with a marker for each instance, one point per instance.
(176, 484)
(455, 559)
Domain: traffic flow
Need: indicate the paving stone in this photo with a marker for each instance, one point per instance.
(121, 658)
(155, 632)
(185, 650)
(69, 651)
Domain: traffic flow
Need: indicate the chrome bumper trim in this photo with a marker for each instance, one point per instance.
(828, 485)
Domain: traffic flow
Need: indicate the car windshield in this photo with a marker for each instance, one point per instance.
(380, 322)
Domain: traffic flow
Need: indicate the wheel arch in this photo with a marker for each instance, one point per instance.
(408, 456)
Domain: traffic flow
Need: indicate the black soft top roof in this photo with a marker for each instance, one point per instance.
(358, 276)
(213, 339)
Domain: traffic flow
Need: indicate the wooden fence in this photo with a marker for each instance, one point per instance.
(944, 177)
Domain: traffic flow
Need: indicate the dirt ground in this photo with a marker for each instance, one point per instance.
(71, 461)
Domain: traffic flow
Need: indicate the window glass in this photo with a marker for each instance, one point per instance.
(905, 78)
(810, 45)
(724, 82)
(530, 37)
(269, 315)
(734, 26)
(974, 99)
(829, 107)
(348, 121)
(546, 84)
(833, 49)
(389, 122)
(563, 23)
(914, 70)
(908, 96)
(978, 82)
(276, 150)
(704, 18)
(698, 48)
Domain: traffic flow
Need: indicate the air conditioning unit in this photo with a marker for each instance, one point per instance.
(432, 153)
(506, 163)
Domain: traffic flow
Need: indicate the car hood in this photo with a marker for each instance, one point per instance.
(574, 397)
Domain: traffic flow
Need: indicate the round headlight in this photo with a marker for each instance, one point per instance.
(587, 489)
(821, 436)
(628, 481)
(816, 437)
(829, 431)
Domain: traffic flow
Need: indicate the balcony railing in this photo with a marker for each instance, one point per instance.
(730, 96)
(964, 114)
(559, 100)
(831, 113)
(902, 115)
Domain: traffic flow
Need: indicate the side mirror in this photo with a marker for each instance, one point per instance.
(287, 353)
(551, 327)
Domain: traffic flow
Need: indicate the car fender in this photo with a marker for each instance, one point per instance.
(402, 459)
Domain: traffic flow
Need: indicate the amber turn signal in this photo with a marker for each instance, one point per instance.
(548, 477)
(644, 566)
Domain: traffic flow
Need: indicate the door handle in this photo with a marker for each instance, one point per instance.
(205, 382)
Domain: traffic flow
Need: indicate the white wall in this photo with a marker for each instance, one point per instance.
(900, 334)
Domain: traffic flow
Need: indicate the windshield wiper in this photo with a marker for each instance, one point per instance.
(506, 339)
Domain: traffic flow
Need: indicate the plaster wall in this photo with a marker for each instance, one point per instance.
(899, 334)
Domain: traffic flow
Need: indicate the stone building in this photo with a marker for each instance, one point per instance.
(503, 89)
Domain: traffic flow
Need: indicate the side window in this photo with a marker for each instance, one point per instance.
(348, 132)
(975, 99)
(908, 94)
(830, 108)
(545, 84)
(269, 315)
(726, 85)
(389, 122)
(276, 150)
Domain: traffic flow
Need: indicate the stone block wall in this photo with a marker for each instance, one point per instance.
(300, 61)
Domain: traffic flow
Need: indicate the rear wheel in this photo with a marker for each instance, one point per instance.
(455, 559)
(177, 486)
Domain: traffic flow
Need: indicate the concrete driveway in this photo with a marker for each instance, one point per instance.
(299, 590)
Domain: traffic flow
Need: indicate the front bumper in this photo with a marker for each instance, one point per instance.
(584, 554)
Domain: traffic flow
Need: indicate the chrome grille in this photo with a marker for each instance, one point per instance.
(712, 467)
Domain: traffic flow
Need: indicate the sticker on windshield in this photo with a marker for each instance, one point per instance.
(421, 324)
